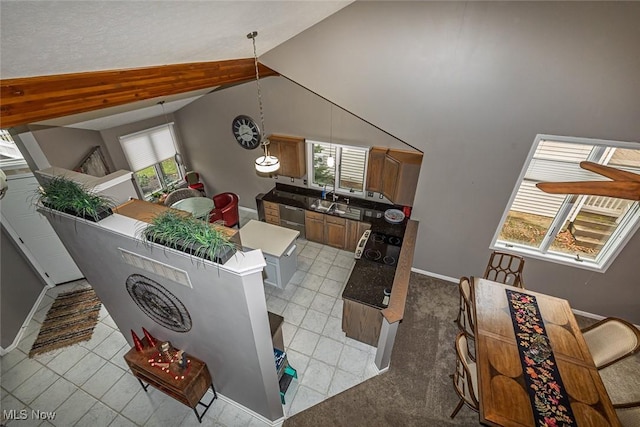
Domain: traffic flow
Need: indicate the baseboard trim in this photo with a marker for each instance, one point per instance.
(32, 313)
(276, 423)
(455, 282)
(436, 275)
(242, 208)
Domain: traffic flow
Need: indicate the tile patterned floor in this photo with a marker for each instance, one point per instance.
(90, 384)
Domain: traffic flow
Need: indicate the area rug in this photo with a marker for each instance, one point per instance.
(70, 320)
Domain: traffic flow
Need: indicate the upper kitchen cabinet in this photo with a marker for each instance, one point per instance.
(394, 173)
(290, 151)
(375, 168)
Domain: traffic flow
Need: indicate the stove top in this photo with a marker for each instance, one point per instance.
(380, 248)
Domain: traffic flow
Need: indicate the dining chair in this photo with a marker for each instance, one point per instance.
(505, 268)
(465, 378)
(225, 210)
(466, 318)
(611, 340)
(182, 193)
(628, 413)
(193, 181)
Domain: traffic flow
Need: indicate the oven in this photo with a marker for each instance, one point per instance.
(379, 248)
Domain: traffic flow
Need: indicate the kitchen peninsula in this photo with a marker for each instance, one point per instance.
(365, 317)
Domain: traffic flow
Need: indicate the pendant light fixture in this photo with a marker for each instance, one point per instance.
(265, 163)
(331, 161)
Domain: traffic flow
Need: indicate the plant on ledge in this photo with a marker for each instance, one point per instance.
(64, 195)
(189, 235)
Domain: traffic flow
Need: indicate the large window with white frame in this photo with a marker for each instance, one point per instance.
(579, 230)
(151, 155)
(337, 167)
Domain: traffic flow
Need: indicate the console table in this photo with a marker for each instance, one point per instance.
(188, 388)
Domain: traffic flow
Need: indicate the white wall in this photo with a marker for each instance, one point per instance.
(471, 84)
(230, 328)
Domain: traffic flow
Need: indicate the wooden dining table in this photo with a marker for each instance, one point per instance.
(504, 393)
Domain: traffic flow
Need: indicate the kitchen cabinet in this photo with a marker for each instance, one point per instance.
(394, 173)
(335, 231)
(291, 153)
(390, 178)
(314, 226)
(355, 229)
(272, 213)
(375, 166)
(361, 322)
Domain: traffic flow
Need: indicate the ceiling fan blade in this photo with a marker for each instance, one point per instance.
(620, 189)
(610, 172)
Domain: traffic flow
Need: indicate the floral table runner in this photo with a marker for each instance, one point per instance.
(549, 399)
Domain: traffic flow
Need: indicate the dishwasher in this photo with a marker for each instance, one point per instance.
(293, 218)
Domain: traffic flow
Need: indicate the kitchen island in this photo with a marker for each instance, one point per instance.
(278, 247)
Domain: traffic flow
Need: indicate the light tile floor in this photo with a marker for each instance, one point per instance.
(89, 384)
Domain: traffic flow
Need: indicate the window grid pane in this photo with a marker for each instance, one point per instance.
(323, 174)
(352, 165)
(148, 180)
(585, 229)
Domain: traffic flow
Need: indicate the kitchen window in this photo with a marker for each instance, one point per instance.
(337, 167)
(578, 230)
(151, 155)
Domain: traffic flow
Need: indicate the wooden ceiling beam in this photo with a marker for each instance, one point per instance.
(33, 99)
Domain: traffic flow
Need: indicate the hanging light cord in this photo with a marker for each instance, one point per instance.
(265, 142)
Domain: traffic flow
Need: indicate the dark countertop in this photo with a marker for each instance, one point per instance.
(368, 279)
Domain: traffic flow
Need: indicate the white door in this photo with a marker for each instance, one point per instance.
(33, 233)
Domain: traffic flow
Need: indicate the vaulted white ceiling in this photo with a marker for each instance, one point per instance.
(56, 37)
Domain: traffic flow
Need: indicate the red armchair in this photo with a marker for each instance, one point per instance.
(226, 209)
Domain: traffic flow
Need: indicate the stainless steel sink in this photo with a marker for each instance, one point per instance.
(335, 208)
(322, 205)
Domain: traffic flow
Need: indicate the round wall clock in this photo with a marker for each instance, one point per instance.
(158, 303)
(246, 131)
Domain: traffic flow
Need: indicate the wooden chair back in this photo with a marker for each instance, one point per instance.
(465, 379)
(505, 268)
(466, 318)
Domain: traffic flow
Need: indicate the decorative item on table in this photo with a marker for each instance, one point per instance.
(136, 341)
(394, 216)
(165, 349)
(150, 339)
(171, 361)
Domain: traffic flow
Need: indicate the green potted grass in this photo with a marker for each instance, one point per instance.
(189, 235)
(64, 195)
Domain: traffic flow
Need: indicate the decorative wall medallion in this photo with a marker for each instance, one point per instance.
(158, 303)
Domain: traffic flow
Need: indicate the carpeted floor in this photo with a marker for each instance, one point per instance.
(70, 320)
(417, 389)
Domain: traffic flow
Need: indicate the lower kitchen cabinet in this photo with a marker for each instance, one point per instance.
(279, 271)
(335, 231)
(272, 213)
(314, 226)
(355, 229)
(361, 322)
